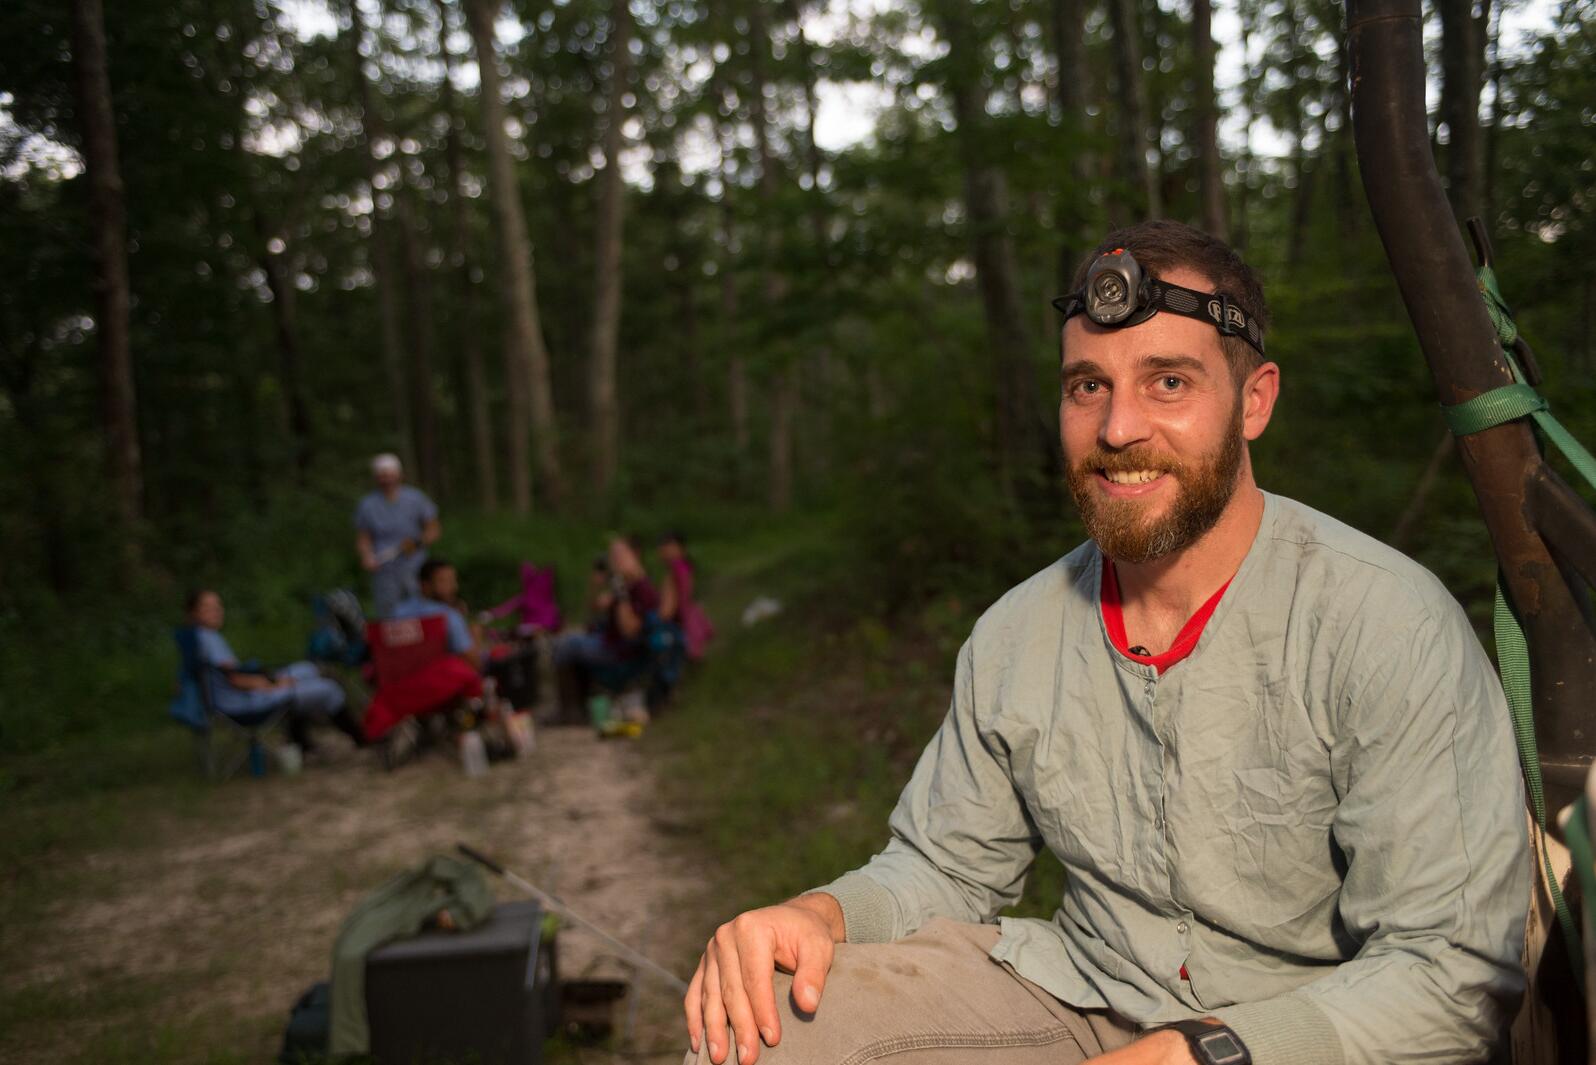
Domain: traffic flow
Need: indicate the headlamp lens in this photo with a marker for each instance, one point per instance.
(1113, 288)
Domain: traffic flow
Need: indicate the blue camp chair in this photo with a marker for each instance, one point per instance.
(194, 707)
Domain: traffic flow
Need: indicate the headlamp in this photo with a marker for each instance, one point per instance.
(1117, 294)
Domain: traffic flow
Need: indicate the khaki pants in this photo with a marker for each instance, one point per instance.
(935, 998)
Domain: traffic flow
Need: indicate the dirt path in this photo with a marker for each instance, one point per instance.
(193, 938)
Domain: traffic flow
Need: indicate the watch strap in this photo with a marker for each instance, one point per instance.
(1211, 1044)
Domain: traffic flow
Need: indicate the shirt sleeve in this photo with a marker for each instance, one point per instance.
(962, 840)
(359, 521)
(214, 650)
(1432, 829)
(459, 633)
(426, 509)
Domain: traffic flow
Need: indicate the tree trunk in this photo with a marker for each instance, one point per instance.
(478, 412)
(278, 279)
(784, 397)
(1493, 130)
(381, 253)
(692, 346)
(1068, 26)
(1249, 103)
(607, 263)
(1208, 161)
(736, 369)
(1133, 120)
(418, 323)
(1349, 213)
(1019, 425)
(819, 434)
(1301, 210)
(783, 413)
(1301, 168)
(1462, 72)
(112, 291)
(532, 396)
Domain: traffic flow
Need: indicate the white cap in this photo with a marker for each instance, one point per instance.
(387, 462)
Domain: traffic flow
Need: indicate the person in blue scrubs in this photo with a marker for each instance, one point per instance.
(394, 525)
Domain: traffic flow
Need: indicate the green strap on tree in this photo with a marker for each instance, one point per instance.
(1497, 407)
(1512, 661)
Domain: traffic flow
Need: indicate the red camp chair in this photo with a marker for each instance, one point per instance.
(415, 673)
(402, 646)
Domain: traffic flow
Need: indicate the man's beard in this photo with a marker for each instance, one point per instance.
(1119, 526)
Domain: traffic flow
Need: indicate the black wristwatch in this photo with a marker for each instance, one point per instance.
(1211, 1044)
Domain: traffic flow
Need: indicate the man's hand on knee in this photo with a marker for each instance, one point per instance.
(1156, 1048)
(732, 996)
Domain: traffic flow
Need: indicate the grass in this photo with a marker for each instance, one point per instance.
(805, 729)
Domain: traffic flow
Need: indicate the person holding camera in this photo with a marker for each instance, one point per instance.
(623, 602)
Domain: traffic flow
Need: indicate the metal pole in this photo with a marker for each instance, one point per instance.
(559, 906)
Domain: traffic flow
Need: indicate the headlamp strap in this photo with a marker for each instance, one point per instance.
(1217, 309)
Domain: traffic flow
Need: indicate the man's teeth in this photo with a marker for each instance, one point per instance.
(1132, 476)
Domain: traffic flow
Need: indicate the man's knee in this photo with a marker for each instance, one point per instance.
(936, 990)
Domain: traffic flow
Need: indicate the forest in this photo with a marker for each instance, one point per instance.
(569, 258)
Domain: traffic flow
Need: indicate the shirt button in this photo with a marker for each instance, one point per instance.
(1183, 928)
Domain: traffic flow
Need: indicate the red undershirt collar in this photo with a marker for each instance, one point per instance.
(1185, 641)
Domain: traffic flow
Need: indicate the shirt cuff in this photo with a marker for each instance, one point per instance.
(1284, 1030)
(869, 912)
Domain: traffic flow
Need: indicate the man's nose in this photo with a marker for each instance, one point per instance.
(1124, 423)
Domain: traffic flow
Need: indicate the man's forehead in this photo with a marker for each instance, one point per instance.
(1161, 342)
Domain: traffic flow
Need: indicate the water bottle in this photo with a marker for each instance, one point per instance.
(257, 759)
(473, 754)
(522, 739)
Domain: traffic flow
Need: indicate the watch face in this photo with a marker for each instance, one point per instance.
(1221, 1048)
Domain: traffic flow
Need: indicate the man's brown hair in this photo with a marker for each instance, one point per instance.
(1162, 245)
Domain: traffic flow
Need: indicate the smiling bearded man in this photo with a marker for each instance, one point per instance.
(1122, 527)
(1268, 751)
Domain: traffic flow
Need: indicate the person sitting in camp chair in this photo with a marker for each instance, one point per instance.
(614, 650)
(436, 685)
(536, 607)
(677, 605)
(512, 655)
(241, 691)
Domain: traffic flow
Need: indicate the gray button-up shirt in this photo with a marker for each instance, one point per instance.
(1318, 814)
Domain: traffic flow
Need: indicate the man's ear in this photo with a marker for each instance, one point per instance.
(1258, 395)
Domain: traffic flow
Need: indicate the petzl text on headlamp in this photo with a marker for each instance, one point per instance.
(1117, 293)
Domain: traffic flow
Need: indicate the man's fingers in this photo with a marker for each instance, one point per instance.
(714, 1010)
(734, 996)
(756, 949)
(693, 1006)
(809, 976)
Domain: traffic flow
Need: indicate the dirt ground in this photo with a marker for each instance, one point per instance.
(198, 932)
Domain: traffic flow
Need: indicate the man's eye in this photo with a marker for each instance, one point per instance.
(1171, 382)
(1088, 388)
